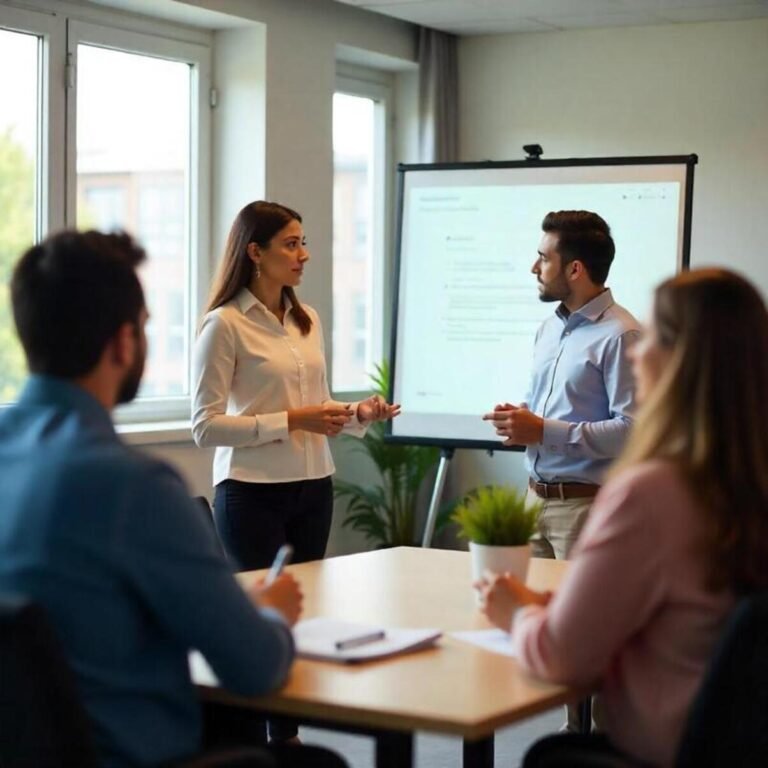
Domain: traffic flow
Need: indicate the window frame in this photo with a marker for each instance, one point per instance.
(50, 140)
(377, 86)
(50, 33)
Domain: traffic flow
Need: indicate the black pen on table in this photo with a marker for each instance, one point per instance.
(354, 642)
(282, 558)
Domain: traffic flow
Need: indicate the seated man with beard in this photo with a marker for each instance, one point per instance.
(106, 538)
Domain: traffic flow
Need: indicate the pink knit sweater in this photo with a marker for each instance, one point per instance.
(632, 615)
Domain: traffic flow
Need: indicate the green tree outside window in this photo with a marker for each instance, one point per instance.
(17, 232)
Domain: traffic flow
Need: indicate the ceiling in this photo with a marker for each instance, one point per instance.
(487, 17)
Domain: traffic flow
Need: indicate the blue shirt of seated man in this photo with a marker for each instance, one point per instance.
(109, 541)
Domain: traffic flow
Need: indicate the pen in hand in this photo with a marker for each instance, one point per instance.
(355, 642)
(282, 558)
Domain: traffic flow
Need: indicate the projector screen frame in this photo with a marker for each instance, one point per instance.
(689, 161)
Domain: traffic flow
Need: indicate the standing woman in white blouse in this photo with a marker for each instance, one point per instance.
(261, 395)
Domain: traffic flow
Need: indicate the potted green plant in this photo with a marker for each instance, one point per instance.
(498, 525)
(386, 513)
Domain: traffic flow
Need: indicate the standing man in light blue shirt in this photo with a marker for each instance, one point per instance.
(579, 409)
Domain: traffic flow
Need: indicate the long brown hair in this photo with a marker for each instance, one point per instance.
(708, 414)
(257, 222)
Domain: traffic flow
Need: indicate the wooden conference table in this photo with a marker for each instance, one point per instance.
(454, 688)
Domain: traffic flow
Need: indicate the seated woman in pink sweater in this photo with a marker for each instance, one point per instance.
(676, 535)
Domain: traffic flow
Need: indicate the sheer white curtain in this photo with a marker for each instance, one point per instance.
(438, 97)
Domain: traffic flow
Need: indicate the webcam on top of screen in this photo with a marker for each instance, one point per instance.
(532, 151)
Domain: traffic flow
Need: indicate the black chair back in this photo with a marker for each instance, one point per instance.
(728, 722)
(42, 723)
(205, 507)
(207, 511)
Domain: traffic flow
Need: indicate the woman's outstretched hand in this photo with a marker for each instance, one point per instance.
(376, 408)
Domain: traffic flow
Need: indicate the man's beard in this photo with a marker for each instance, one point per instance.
(557, 290)
(547, 297)
(130, 384)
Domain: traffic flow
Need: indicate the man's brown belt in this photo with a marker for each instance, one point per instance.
(563, 491)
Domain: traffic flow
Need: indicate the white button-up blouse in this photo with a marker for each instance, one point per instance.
(248, 370)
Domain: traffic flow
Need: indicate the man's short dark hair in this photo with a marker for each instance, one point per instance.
(583, 236)
(71, 293)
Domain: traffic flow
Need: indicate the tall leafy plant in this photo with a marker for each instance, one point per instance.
(386, 512)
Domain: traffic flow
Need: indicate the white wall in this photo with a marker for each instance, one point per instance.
(675, 89)
(238, 125)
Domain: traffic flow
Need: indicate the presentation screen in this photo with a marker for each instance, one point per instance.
(467, 305)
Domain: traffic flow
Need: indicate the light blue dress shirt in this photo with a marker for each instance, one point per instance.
(582, 385)
(110, 543)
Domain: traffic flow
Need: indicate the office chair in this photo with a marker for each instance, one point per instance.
(205, 507)
(42, 722)
(207, 511)
(728, 721)
(575, 750)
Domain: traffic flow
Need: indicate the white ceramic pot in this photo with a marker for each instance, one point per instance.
(512, 560)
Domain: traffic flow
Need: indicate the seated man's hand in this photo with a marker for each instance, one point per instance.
(283, 594)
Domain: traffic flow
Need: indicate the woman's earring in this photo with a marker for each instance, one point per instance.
(256, 270)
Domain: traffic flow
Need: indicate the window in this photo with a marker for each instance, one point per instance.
(360, 308)
(161, 221)
(133, 137)
(359, 193)
(128, 131)
(360, 337)
(100, 205)
(20, 55)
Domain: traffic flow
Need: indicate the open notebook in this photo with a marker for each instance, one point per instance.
(346, 641)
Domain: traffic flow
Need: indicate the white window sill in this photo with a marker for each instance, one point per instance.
(154, 433)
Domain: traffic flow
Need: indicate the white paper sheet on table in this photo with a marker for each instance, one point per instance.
(496, 640)
(316, 639)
